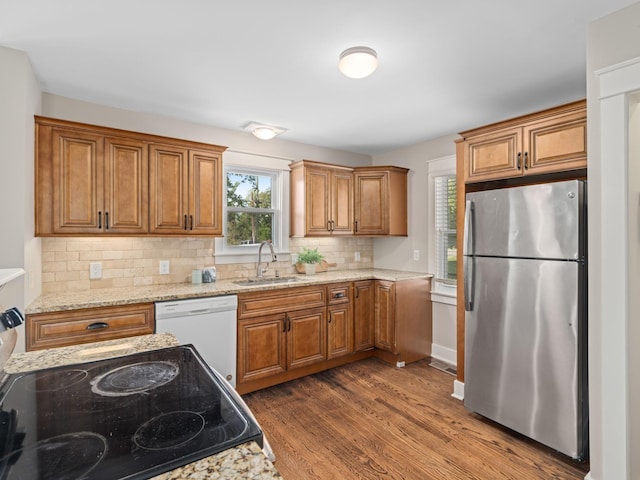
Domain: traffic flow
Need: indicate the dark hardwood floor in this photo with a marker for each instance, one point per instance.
(369, 420)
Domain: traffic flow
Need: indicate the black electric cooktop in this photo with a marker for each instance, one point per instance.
(131, 417)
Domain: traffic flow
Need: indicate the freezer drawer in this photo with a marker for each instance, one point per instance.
(523, 350)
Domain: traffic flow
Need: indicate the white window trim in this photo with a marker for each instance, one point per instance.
(257, 162)
(438, 167)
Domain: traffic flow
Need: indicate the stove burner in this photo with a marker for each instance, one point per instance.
(169, 430)
(65, 457)
(56, 380)
(135, 378)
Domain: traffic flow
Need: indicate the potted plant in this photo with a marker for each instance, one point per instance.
(310, 258)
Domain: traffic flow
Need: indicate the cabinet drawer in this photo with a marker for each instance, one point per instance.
(339, 293)
(59, 329)
(280, 301)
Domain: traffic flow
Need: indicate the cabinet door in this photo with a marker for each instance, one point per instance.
(555, 145)
(340, 330)
(262, 348)
(317, 201)
(363, 331)
(168, 187)
(494, 155)
(385, 325)
(341, 203)
(372, 203)
(125, 185)
(205, 193)
(78, 177)
(306, 337)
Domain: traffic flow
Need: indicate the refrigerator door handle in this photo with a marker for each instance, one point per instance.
(468, 283)
(468, 260)
(468, 229)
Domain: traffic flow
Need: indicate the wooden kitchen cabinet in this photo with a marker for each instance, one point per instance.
(402, 320)
(72, 327)
(380, 201)
(89, 183)
(321, 199)
(363, 314)
(551, 141)
(92, 180)
(280, 330)
(185, 191)
(340, 330)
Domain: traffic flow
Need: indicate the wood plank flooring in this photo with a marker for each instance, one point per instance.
(369, 420)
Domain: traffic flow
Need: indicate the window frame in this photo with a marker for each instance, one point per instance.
(437, 167)
(278, 169)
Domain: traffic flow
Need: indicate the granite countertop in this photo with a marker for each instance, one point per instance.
(174, 291)
(244, 462)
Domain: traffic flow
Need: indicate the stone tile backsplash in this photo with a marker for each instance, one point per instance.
(129, 261)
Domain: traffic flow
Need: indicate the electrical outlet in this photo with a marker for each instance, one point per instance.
(294, 258)
(95, 270)
(357, 256)
(164, 267)
(416, 255)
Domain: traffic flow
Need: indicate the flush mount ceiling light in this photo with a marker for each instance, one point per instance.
(262, 131)
(358, 62)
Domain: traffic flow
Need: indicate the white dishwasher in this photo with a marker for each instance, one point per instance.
(209, 324)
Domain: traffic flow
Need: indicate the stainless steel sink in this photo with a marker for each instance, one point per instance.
(265, 281)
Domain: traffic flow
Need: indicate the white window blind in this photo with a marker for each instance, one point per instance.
(445, 203)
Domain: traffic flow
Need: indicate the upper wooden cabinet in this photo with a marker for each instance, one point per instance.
(185, 191)
(551, 141)
(333, 200)
(321, 199)
(95, 180)
(380, 201)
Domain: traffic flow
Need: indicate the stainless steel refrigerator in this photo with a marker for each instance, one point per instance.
(525, 300)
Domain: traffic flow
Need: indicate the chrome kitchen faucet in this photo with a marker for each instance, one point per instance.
(260, 271)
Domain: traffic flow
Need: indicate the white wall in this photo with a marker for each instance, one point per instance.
(69, 109)
(424, 160)
(614, 437)
(19, 101)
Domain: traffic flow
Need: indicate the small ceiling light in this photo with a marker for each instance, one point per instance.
(262, 131)
(358, 62)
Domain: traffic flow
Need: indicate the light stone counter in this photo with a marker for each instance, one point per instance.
(156, 293)
(244, 462)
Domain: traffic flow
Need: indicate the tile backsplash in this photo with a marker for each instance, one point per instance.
(131, 261)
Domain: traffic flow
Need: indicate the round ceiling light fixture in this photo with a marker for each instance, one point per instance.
(263, 131)
(358, 62)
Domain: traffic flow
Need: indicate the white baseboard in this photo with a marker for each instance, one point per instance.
(588, 476)
(444, 354)
(458, 390)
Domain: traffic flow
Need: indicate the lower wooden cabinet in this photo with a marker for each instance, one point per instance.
(61, 329)
(403, 321)
(363, 302)
(340, 327)
(262, 347)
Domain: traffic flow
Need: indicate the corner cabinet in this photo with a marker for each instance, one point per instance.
(551, 141)
(92, 180)
(380, 201)
(334, 200)
(321, 199)
(403, 320)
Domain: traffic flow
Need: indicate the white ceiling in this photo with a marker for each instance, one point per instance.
(445, 65)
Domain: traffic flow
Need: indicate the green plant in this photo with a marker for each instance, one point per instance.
(310, 256)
